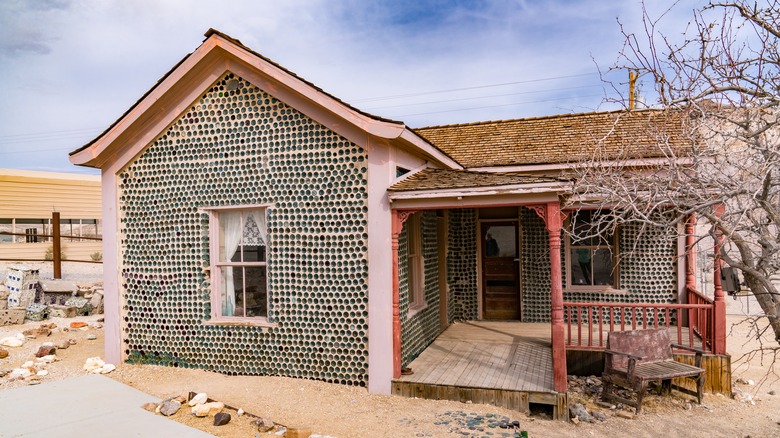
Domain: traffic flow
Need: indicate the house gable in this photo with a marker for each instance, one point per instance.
(197, 72)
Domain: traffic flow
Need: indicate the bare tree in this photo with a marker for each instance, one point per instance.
(715, 134)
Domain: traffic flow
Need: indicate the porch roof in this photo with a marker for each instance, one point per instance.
(446, 188)
(432, 179)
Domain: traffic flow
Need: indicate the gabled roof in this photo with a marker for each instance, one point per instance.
(218, 54)
(564, 138)
(430, 179)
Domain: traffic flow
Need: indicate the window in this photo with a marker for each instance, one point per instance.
(590, 254)
(415, 267)
(239, 263)
(32, 228)
(6, 226)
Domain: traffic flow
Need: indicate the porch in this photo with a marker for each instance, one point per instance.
(510, 364)
(507, 364)
(504, 255)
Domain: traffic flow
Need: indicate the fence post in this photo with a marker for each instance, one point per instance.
(55, 224)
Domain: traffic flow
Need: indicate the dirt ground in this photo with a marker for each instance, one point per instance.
(344, 411)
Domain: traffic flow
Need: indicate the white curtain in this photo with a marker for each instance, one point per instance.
(259, 218)
(232, 231)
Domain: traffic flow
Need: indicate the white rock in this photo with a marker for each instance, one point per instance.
(48, 358)
(42, 373)
(751, 383)
(19, 372)
(28, 364)
(16, 340)
(199, 399)
(48, 344)
(107, 368)
(205, 409)
(94, 365)
(240, 412)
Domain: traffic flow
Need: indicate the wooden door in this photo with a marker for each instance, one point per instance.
(500, 271)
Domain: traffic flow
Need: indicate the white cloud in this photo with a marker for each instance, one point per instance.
(71, 67)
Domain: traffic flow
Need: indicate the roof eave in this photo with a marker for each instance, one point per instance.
(218, 48)
(411, 138)
(513, 189)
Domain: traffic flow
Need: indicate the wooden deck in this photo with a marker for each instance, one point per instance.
(507, 364)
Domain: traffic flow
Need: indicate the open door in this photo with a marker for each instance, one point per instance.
(500, 270)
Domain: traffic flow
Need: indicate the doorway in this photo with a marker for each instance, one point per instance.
(500, 261)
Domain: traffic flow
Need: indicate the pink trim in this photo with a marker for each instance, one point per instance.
(238, 207)
(474, 201)
(381, 172)
(216, 274)
(510, 189)
(201, 69)
(111, 274)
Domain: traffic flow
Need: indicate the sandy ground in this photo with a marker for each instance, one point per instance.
(343, 411)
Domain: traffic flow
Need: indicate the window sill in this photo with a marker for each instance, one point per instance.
(240, 322)
(414, 310)
(596, 289)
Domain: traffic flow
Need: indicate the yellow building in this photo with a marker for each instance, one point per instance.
(27, 200)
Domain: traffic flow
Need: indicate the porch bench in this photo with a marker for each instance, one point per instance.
(635, 358)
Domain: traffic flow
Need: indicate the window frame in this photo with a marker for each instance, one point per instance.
(611, 246)
(216, 273)
(415, 262)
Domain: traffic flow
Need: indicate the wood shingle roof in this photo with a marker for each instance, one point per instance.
(434, 179)
(559, 139)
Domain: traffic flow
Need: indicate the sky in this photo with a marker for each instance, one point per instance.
(69, 68)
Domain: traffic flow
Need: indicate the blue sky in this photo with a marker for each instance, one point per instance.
(69, 68)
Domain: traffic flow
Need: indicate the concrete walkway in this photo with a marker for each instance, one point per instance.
(82, 407)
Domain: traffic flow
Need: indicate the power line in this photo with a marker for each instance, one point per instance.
(50, 133)
(43, 139)
(480, 97)
(476, 87)
(491, 106)
(34, 151)
(74, 134)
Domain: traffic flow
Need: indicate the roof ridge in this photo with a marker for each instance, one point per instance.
(553, 116)
(237, 42)
(209, 33)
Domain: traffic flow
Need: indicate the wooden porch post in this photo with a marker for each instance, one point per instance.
(397, 221)
(719, 316)
(396, 230)
(553, 221)
(690, 253)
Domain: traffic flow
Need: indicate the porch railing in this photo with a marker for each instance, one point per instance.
(702, 321)
(587, 324)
